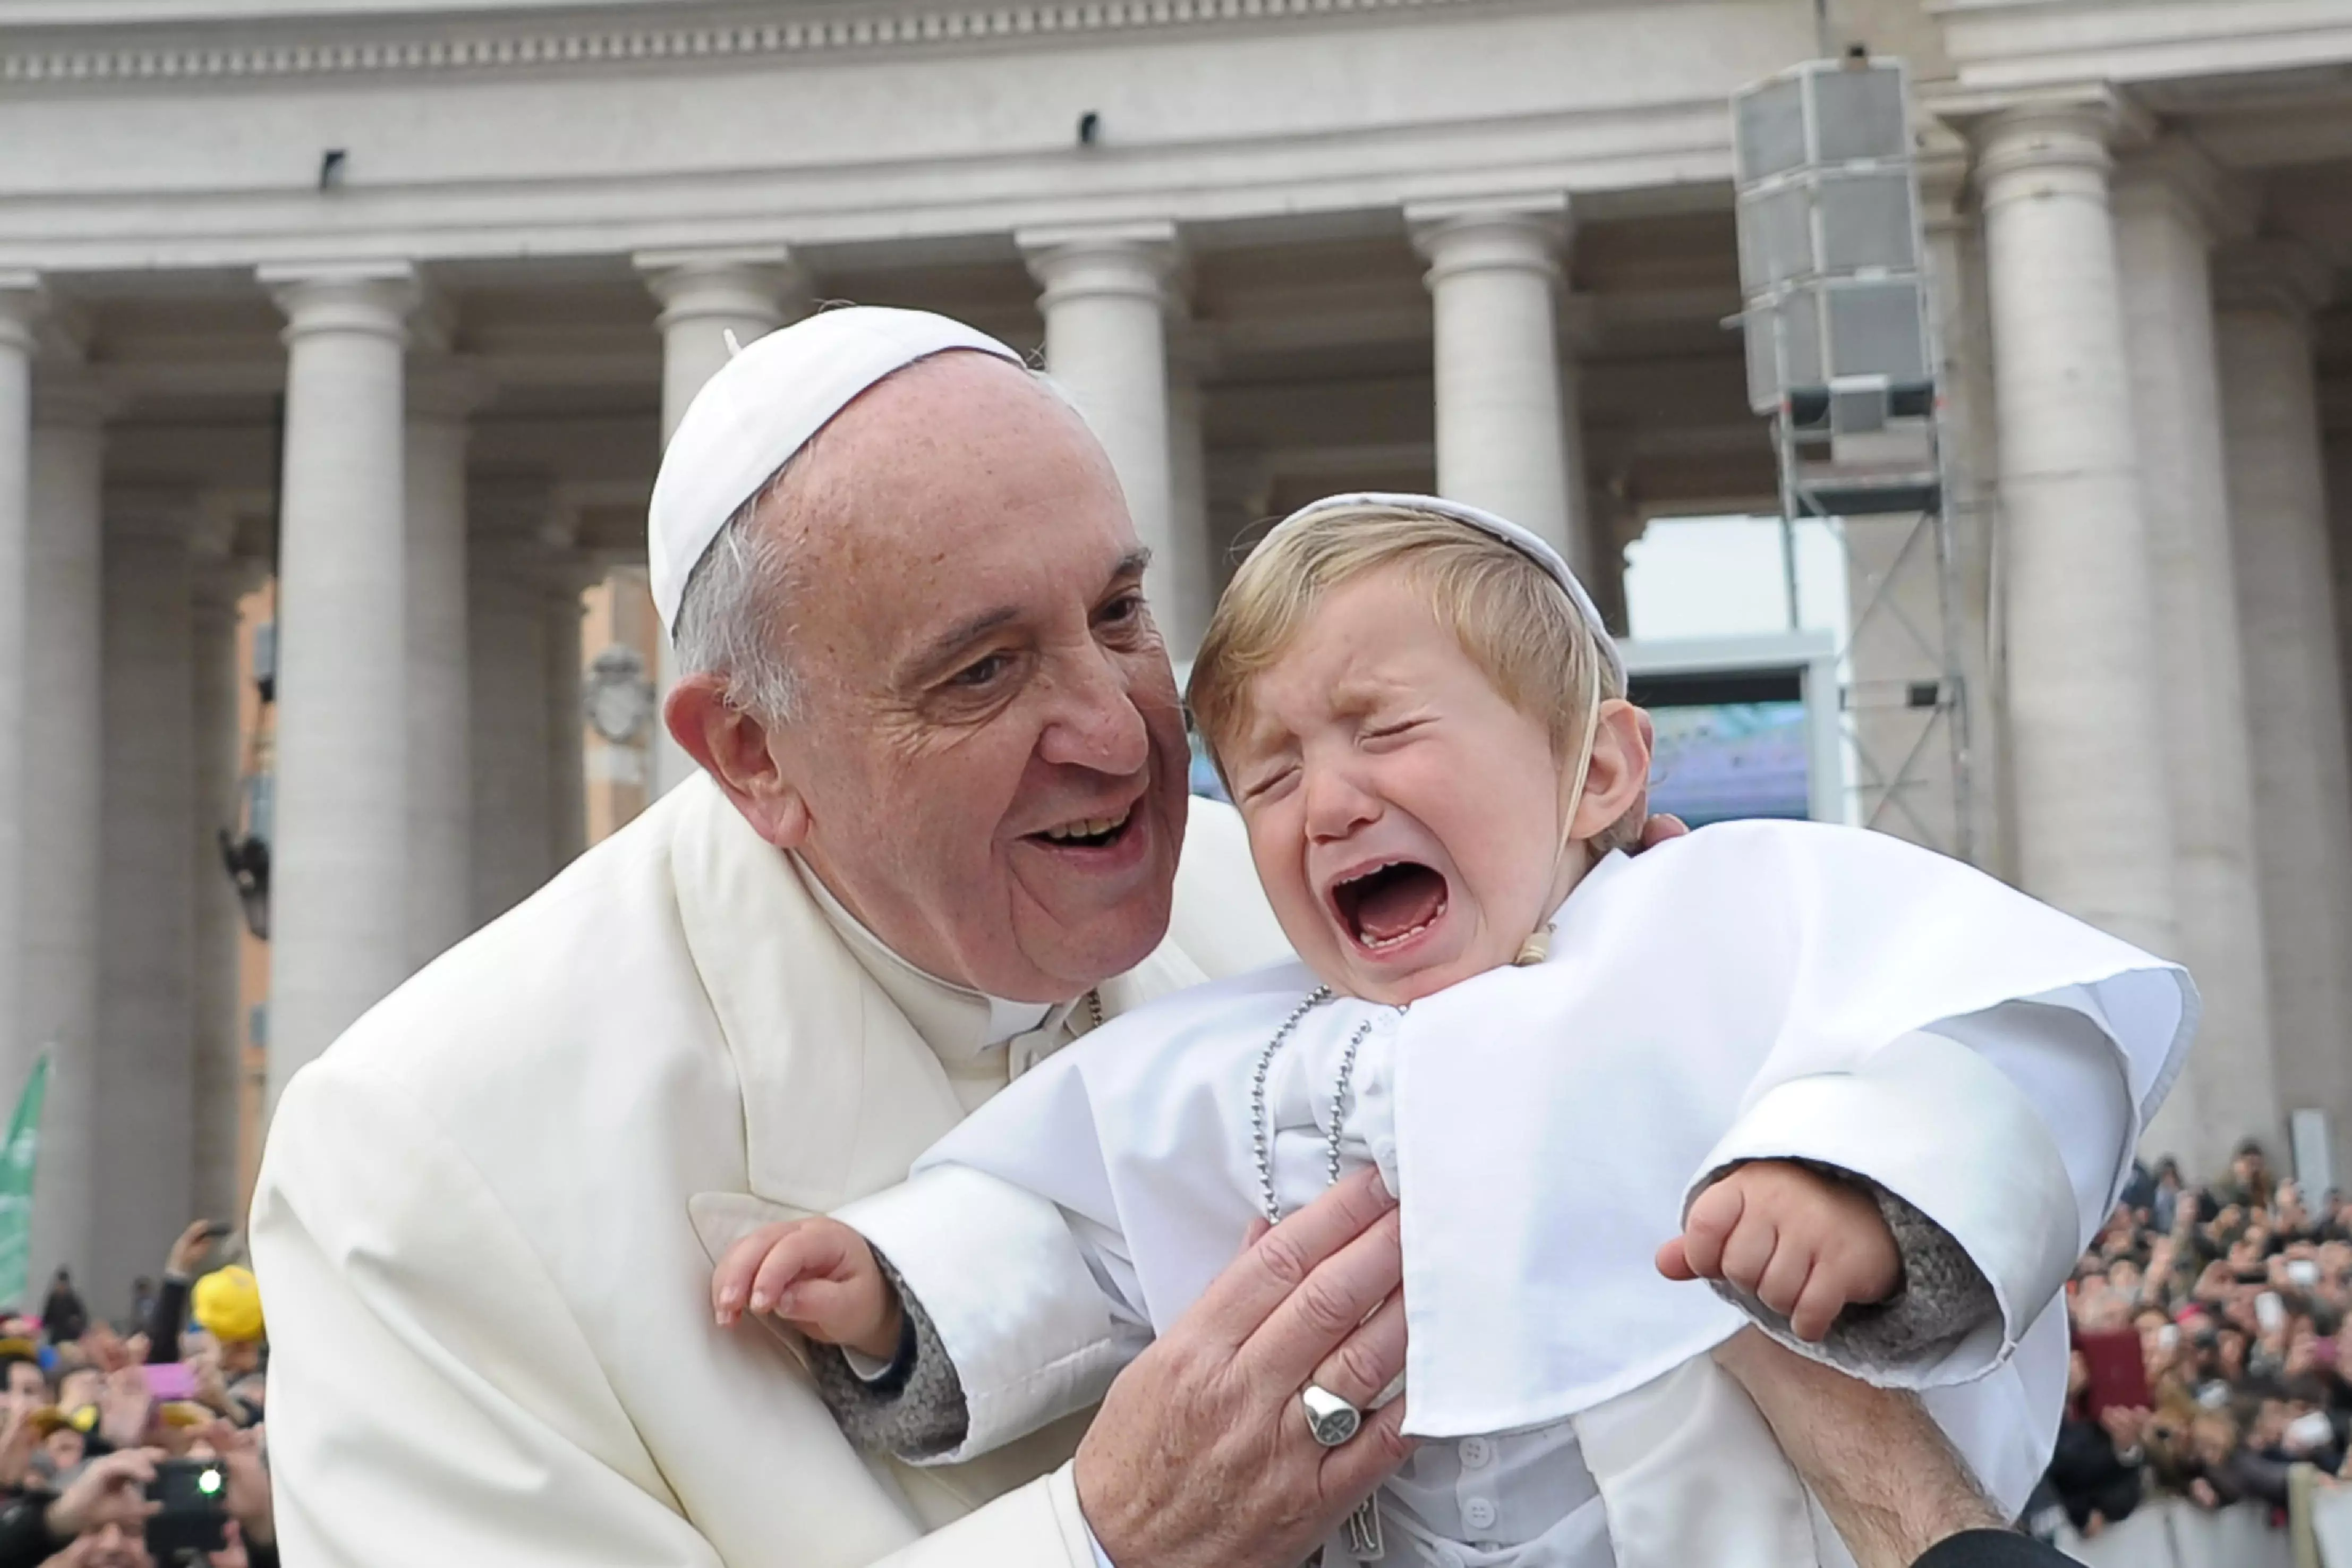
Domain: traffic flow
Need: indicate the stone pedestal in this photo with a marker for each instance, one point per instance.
(1494, 274)
(2093, 817)
(63, 765)
(2168, 206)
(339, 867)
(1106, 300)
(440, 738)
(142, 1152)
(706, 296)
(2295, 700)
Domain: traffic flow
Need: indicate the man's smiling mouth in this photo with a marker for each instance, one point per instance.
(1088, 832)
(1390, 904)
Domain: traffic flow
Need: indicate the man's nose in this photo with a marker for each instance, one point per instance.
(1095, 723)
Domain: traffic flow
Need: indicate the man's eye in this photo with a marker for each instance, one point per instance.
(1125, 610)
(980, 673)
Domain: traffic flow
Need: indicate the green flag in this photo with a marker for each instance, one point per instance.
(16, 1162)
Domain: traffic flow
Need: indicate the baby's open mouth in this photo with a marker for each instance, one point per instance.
(1389, 904)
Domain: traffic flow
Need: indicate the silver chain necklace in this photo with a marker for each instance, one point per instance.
(1261, 1128)
(1364, 1524)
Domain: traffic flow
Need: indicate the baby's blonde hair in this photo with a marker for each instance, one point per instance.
(1512, 619)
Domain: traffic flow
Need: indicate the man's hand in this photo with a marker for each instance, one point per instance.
(1804, 1244)
(1880, 1467)
(125, 1408)
(188, 1252)
(818, 1275)
(111, 1489)
(1200, 1456)
(247, 1500)
(1657, 830)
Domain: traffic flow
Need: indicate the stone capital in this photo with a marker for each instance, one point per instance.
(2175, 172)
(1139, 260)
(2069, 129)
(371, 298)
(24, 305)
(2275, 275)
(1514, 233)
(757, 282)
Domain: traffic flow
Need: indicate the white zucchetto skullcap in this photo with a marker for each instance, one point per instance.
(761, 408)
(1525, 541)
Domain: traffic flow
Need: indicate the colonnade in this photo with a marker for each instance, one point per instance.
(2171, 710)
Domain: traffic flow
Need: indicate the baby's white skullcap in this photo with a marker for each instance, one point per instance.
(1525, 541)
(761, 408)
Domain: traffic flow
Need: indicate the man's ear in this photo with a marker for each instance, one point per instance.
(1618, 779)
(733, 748)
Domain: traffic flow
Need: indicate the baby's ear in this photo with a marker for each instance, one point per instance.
(1617, 781)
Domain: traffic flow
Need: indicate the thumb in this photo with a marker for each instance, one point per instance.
(1672, 1263)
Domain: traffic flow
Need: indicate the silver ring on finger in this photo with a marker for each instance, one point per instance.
(1330, 1419)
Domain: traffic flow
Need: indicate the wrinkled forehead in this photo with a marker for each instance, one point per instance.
(957, 487)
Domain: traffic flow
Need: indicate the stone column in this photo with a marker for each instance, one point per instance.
(2082, 679)
(142, 1154)
(217, 1069)
(339, 865)
(1106, 295)
(63, 766)
(1184, 585)
(1966, 433)
(707, 295)
(2168, 205)
(20, 309)
(1494, 272)
(1586, 547)
(567, 759)
(440, 777)
(2287, 617)
(508, 633)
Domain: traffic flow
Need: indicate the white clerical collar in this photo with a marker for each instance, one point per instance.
(957, 1023)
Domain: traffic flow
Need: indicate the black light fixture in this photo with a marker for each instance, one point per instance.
(1089, 128)
(330, 168)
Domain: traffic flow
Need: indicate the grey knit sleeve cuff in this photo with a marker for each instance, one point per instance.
(915, 1410)
(1942, 1297)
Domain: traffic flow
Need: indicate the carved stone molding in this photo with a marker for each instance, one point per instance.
(631, 46)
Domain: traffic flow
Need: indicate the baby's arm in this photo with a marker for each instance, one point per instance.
(817, 1276)
(1802, 1242)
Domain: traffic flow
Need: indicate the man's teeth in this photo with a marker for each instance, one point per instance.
(1092, 827)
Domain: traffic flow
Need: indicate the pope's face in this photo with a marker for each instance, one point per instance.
(991, 759)
(1403, 815)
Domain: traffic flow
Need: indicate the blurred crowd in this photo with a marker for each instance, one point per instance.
(138, 1443)
(2207, 1321)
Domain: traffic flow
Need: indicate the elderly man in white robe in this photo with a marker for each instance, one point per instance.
(941, 829)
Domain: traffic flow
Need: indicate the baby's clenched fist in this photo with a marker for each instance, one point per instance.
(818, 1275)
(1805, 1245)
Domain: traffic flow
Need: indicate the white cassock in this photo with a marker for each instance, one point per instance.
(486, 1219)
(1757, 990)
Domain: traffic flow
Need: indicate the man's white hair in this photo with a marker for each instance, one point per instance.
(730, 616)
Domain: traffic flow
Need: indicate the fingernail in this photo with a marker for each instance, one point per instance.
(759, 1301)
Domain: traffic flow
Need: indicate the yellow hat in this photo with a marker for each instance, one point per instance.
(227, 1304)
